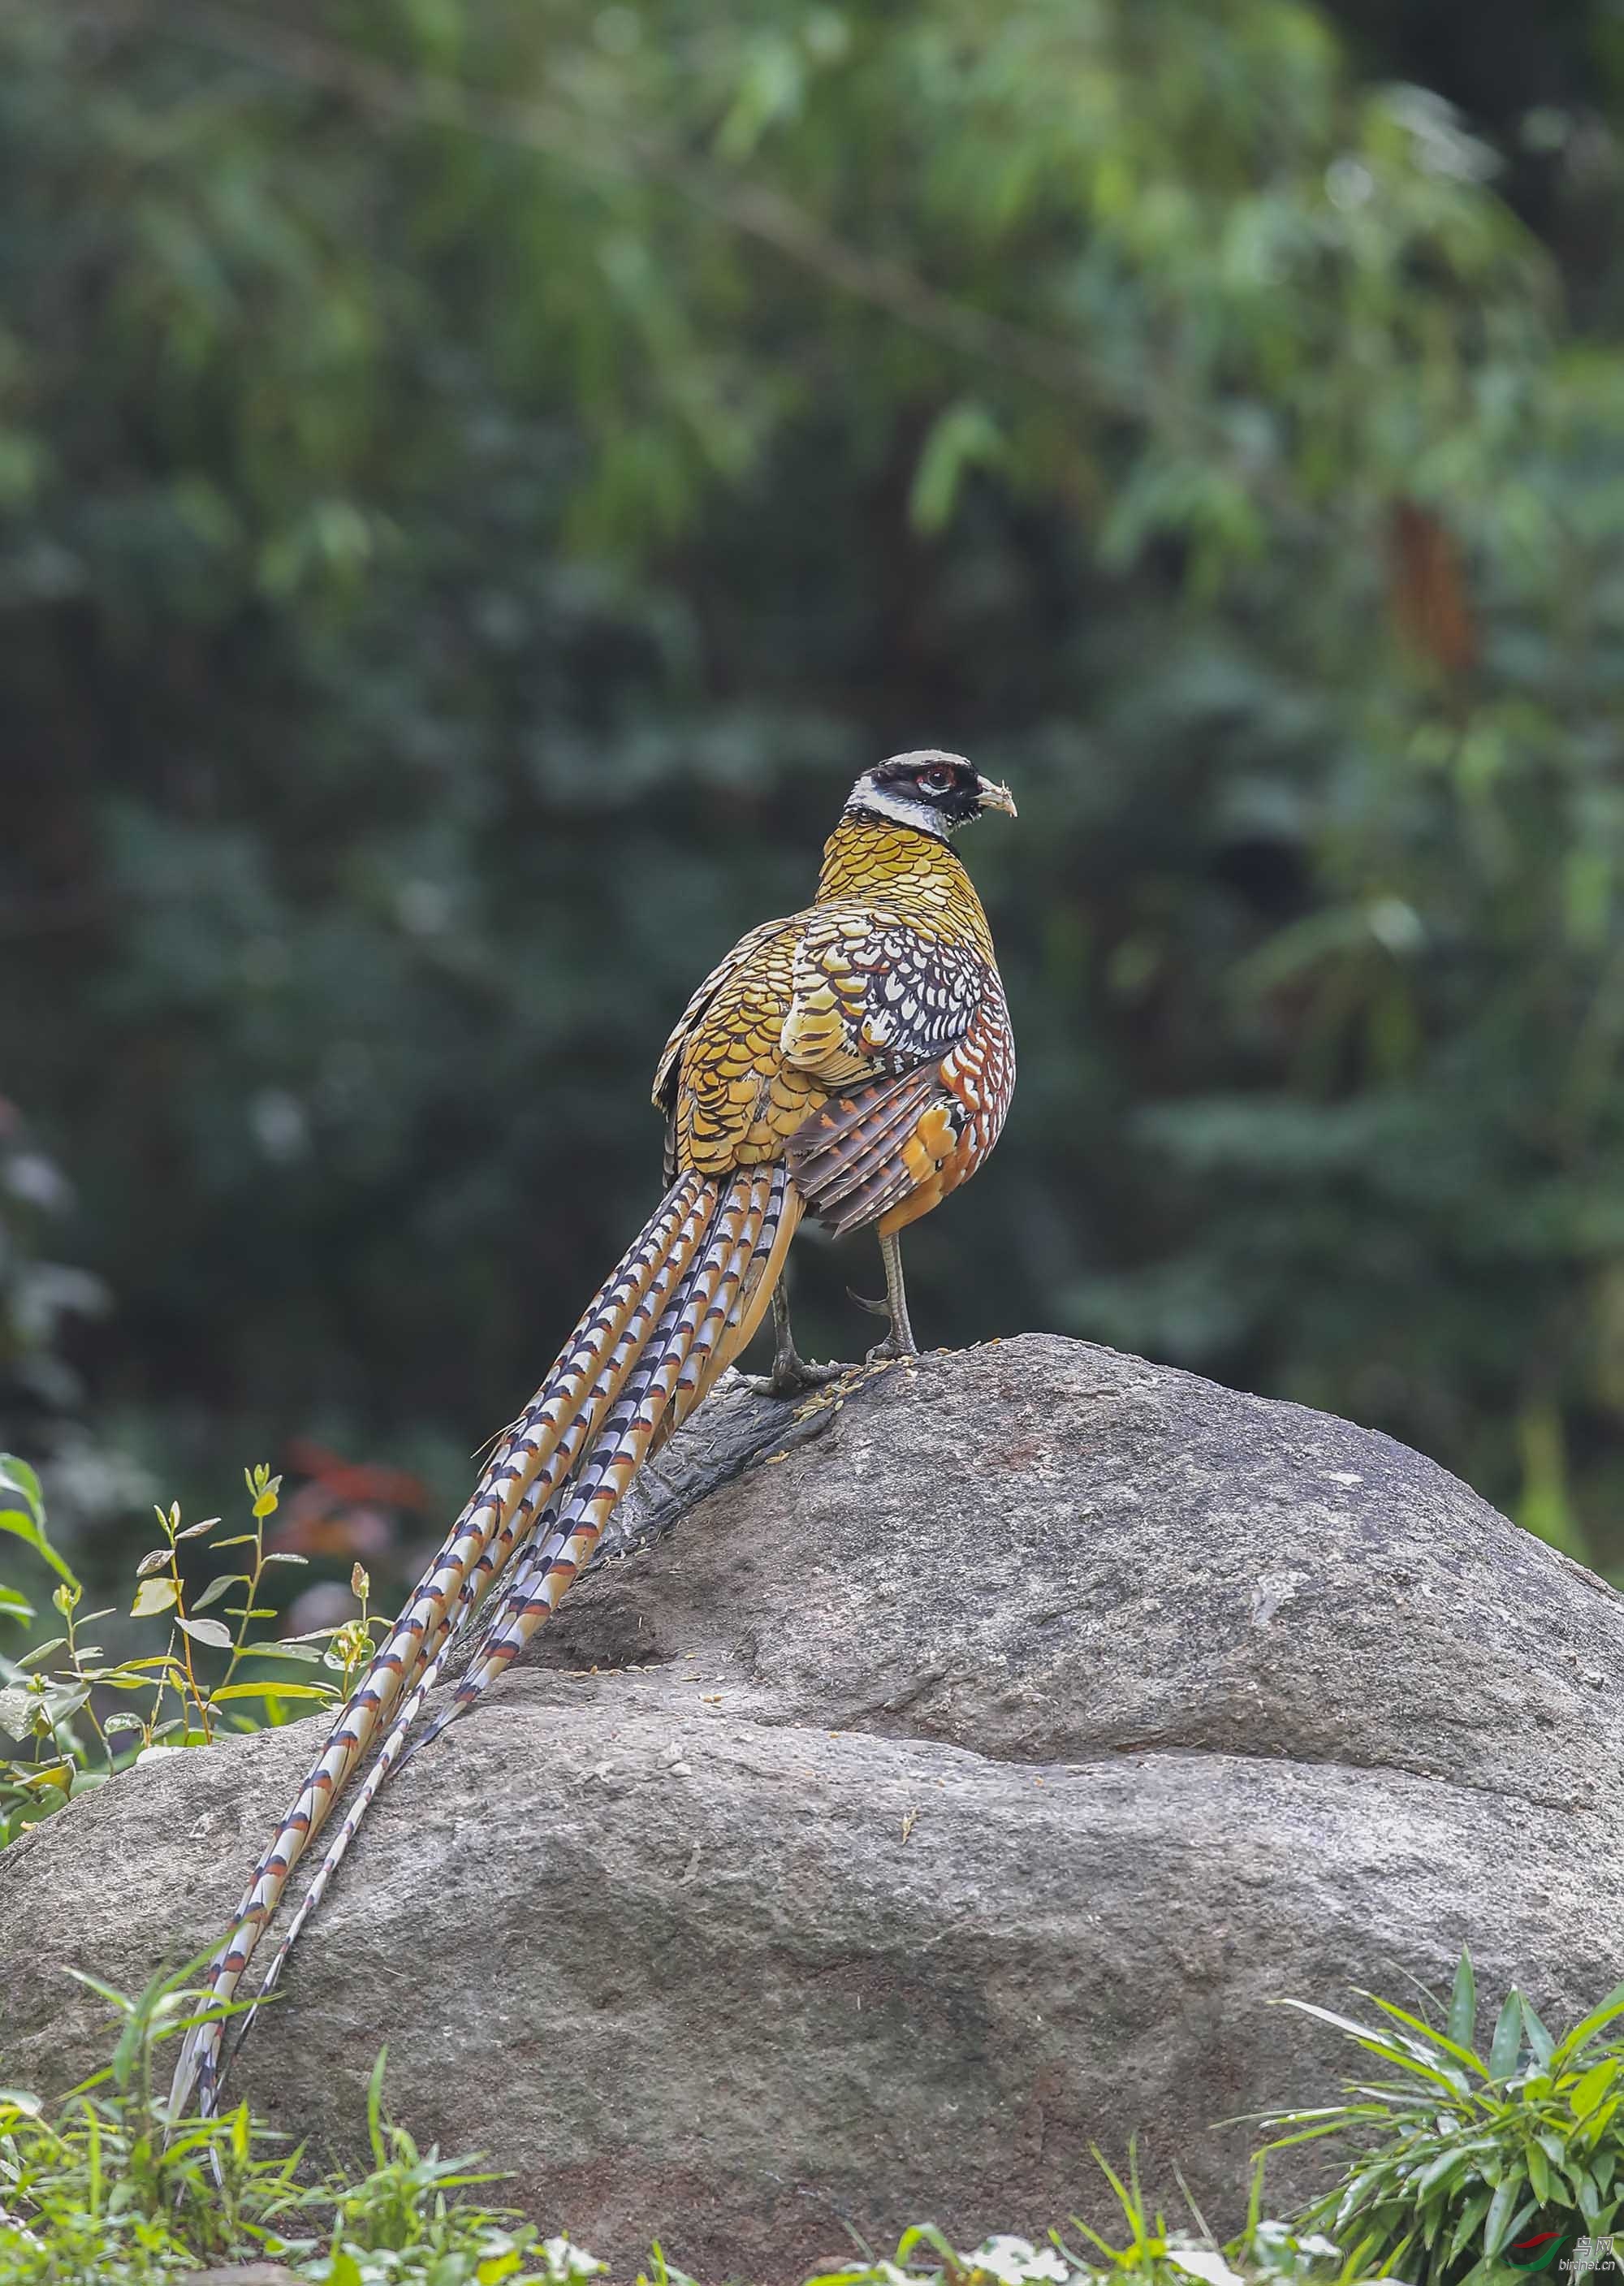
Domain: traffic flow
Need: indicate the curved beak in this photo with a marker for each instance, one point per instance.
(994, 796)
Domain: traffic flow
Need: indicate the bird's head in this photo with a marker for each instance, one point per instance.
(933, 791)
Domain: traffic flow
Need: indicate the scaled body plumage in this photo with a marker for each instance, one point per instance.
(852, 1061)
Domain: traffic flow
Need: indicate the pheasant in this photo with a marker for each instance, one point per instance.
(853, 1062)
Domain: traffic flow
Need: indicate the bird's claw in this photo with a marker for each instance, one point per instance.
(895, 1345)
(792, 1377)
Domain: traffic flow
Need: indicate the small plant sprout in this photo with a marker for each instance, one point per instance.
(210, 1672)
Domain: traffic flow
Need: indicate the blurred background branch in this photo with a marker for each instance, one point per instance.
(609, 145)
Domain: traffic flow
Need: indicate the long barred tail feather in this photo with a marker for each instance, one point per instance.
(389, 1755)
(533, 1460)
(676, 1309)
(529, 1564)
(669, 1368)
(671, 1376)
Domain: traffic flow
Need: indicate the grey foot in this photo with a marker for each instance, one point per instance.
(792, 1377)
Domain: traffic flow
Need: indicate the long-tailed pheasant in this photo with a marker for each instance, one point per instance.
(853, 1062)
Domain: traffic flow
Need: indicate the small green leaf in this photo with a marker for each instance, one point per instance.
(1463, 2002)
(27, 1523)
(1539, 2173)
(285, 1556)
(15, 1606)
(215, 1589)
(1508, 2041)
(156, 1559)
(195, 1531)
(206, 1631)
(152, 1595)
(270, 1690)
(17, 1476)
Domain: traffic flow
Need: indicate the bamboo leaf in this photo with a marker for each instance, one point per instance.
(1539, 2038)
(1587, 2096)
(1431, 2046)
(1465, 2229)
(1463, 2002)
(1437, 2171)
(1505, 2215)
(1508, 2041)
(1586, 2030)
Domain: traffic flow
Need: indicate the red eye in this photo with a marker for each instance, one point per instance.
(936, 781)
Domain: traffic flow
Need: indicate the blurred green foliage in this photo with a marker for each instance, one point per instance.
(475, 483)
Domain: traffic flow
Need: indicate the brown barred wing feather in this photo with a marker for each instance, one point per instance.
(850, 1160)
(978, 1079)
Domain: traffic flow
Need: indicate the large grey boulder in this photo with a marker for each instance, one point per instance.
(954, 1792)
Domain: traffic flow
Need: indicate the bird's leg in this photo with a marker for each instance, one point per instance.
(900, 1341)
(791, 1373)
